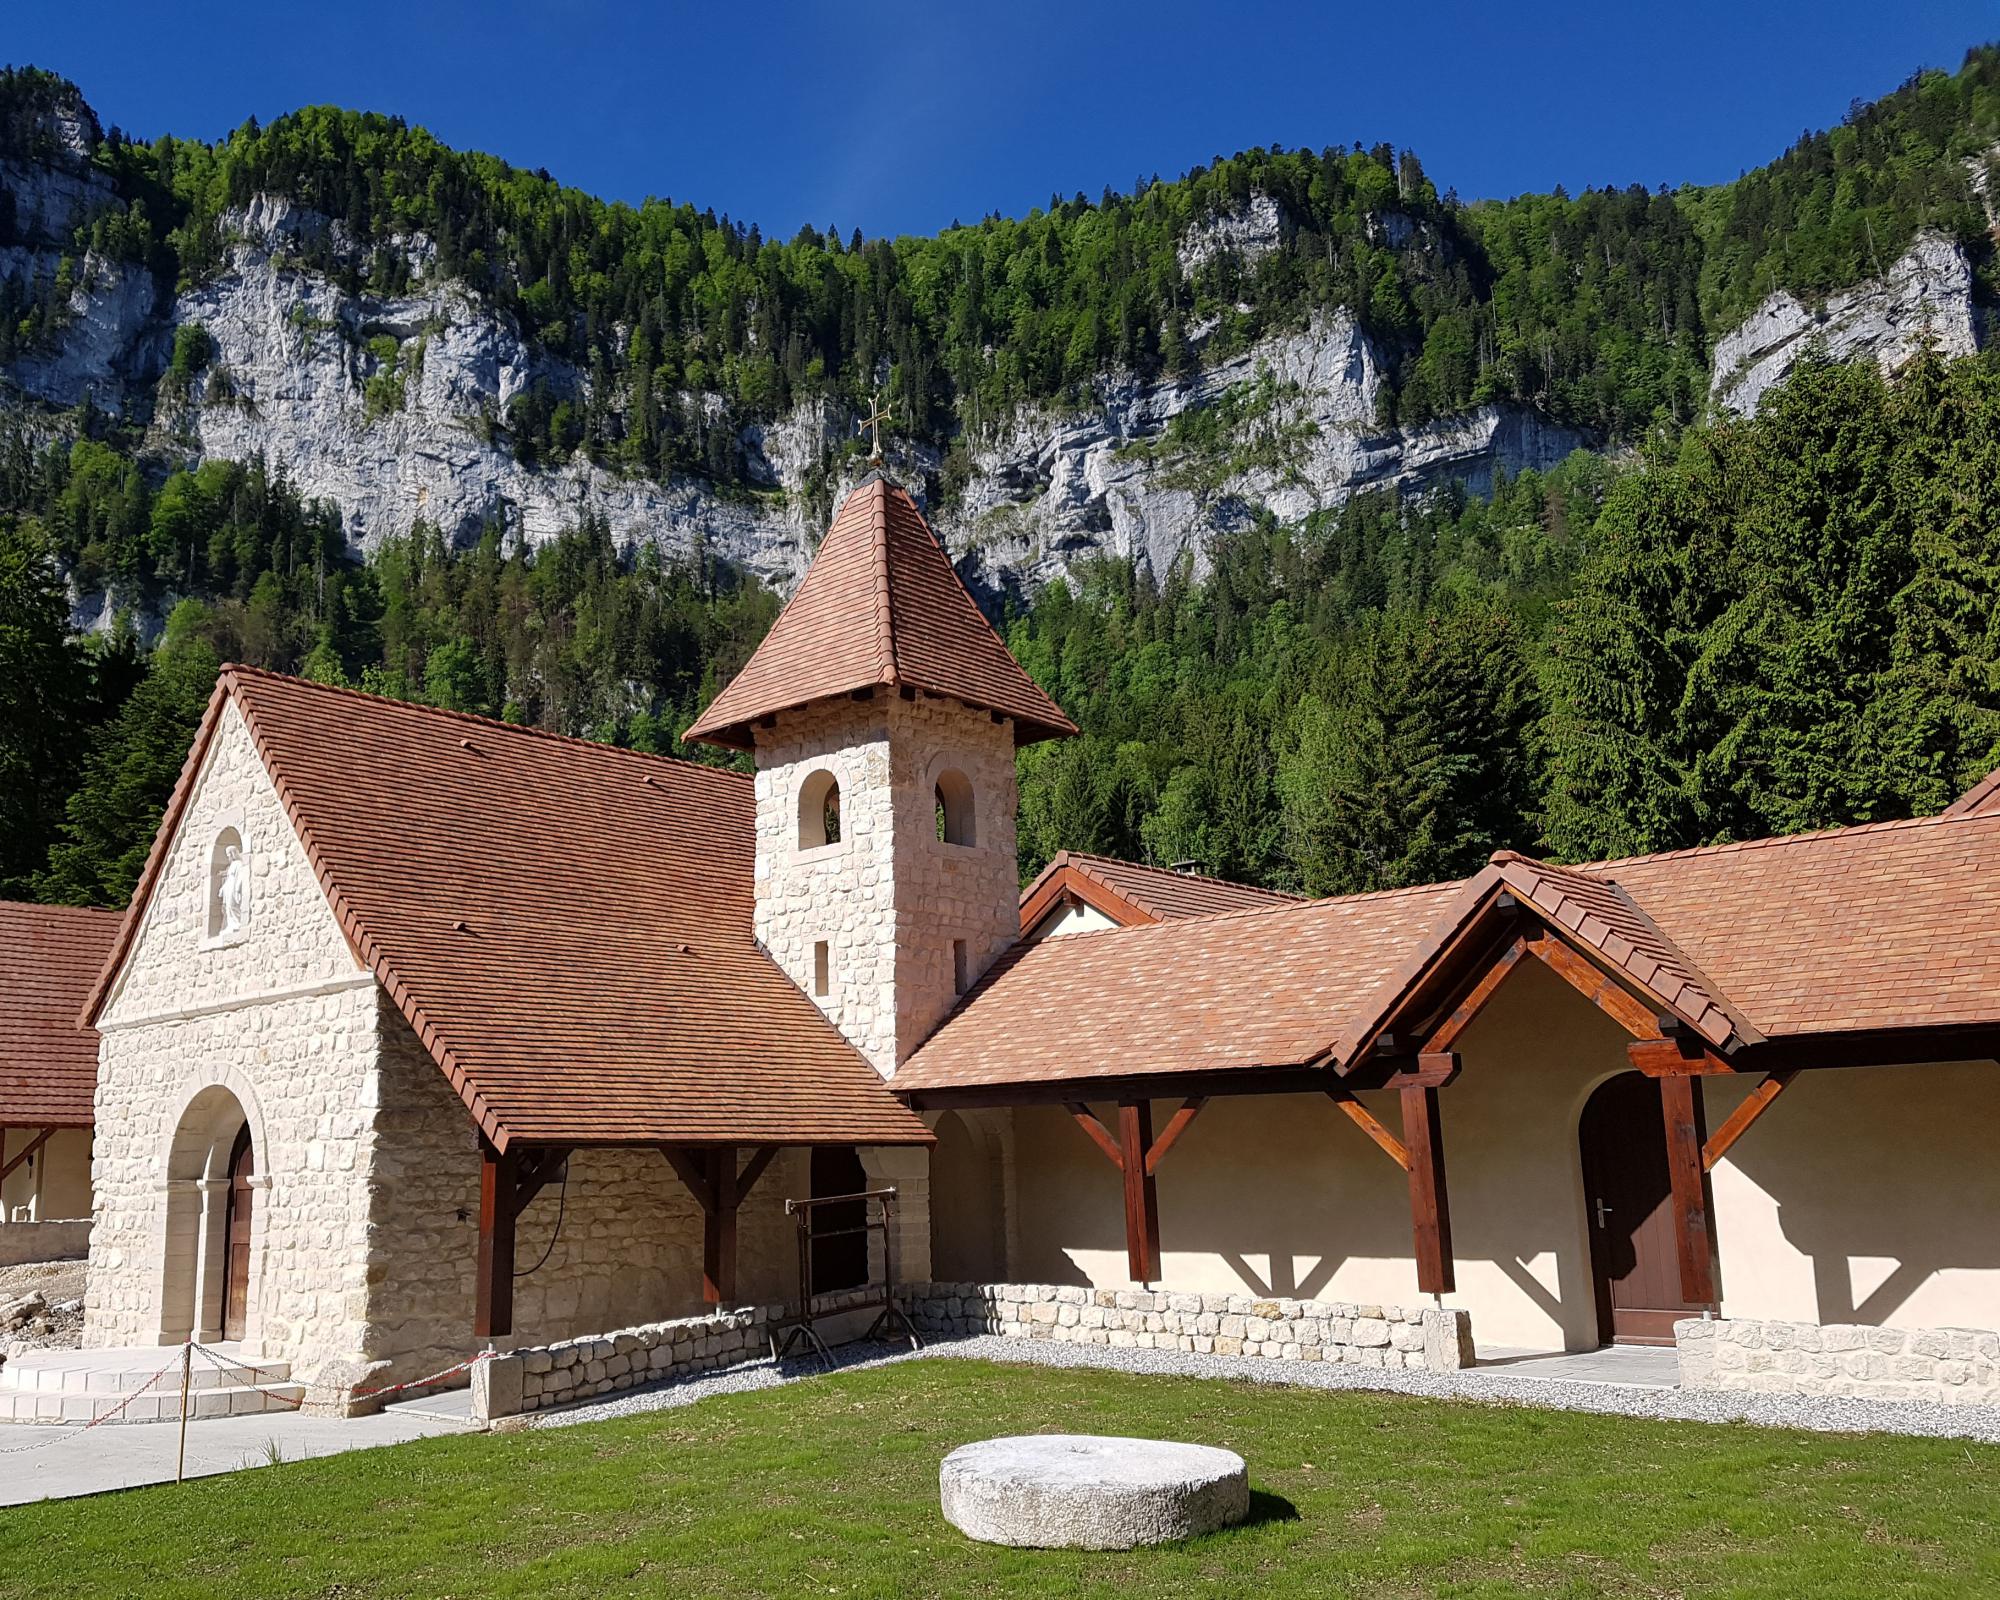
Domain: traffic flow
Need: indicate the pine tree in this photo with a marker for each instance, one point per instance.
(43, 701)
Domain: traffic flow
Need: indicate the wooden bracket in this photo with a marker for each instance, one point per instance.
(1137, 1154)
(1365, 1120)
(1177, 1125)
(1100, 1135)
(1738, 1121)
(27, 1150)
(691, 1175)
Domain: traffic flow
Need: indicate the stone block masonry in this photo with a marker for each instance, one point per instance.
(1419, 1338)
(1945, 1366)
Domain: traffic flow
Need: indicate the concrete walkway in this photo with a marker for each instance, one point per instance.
(1632, 1365)
(51, 1463)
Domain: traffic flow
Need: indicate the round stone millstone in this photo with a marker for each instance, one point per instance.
(1065, 1491)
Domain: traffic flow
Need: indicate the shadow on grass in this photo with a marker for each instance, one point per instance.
(1267, 1507)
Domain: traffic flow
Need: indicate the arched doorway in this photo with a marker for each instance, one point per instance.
(840, 1246)
(209, 1272)
(1627, 1195)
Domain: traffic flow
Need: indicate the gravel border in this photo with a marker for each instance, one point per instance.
(1814, 1413)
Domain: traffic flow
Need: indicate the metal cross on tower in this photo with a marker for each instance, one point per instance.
(878, 414)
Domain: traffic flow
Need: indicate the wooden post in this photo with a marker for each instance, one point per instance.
(718, 1229)
(1142, 1196)
(1680, 1100)
(1430, 1207)
(493, 1296)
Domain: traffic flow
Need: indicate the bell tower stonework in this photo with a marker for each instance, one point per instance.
(884, 713)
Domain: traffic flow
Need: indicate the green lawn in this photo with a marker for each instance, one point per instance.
(831, 1488)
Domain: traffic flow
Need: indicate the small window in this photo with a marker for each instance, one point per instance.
(819, 810)
(961, 966)
(822, 970)
(954, 808)
(228, 886)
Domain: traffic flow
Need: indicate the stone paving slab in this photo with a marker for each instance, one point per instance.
(80, 1462)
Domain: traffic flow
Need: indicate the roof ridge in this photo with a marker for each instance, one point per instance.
(885, 605)
(1768, 841)
(1283, 908)
(1193, 877)
(56, 908)
(237, 669)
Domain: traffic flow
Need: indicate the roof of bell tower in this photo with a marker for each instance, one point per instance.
(880, 607)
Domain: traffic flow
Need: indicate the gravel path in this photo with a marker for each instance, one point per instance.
(1820, 1414)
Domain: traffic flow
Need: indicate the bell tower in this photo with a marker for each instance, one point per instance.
(884, 712)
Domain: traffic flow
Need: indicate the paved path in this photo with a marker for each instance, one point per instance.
(120, 1456)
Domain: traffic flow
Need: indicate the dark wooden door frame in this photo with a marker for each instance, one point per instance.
(238, 1211)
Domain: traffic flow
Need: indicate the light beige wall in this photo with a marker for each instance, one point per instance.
(1867, 1195)
(1282, 1195)
(277, 1027)
(1072, 917)
(1861, 1196)
(53, 1184)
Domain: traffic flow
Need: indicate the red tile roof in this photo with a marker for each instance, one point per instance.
(566, 926)
(879, 607)
(1129, 892)
(1265, 988)
(1888, 926)
(49, 959)
(1983, 797)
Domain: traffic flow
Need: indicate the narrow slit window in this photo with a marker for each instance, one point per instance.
(961, 966)
(822, 970)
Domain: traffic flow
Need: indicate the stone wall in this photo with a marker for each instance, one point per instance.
(1946, 1366)
(1209, 1324)
(276, 1026)
(890, 897)
(588, 1368)
(44, 1241)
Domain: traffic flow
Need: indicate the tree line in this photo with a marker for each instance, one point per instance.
(1757, 627)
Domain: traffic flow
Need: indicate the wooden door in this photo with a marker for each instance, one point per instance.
(840, 1246)
(236, 1239)
(1627, 1194)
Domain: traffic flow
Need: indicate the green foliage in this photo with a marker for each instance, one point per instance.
(44, 684)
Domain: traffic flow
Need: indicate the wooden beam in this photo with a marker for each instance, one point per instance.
(1150, 1086)
(493, 1290)
(1430, 1207)
(1597, 986)
(1086, 1119)
(692, 1174)
(1176, 1126)
(1446, 1033)
(718, 1229)
(1680, 1100)
(27, 1150)
(1142, 1200)
(537, 1169)
(1364, 1119)
(1681, 1057)
(1737, 1123)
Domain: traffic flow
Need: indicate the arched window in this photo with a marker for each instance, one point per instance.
(228, 886)
(954, 808)
(819, 810)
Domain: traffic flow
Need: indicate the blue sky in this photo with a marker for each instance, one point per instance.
(897, 117)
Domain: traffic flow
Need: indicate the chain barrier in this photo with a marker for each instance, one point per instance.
(58, 1432)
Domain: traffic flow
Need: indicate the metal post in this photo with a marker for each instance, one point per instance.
(187, 1367)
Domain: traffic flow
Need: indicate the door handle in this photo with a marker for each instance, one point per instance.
(1603, 1211)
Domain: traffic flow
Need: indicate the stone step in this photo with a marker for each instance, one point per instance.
(119, 1372)
(158, 1404)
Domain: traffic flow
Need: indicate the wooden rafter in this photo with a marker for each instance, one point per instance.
(1737, 1123)
(1445, 1034)
(1598, 987)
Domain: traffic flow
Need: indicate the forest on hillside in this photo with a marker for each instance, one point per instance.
(1755, 627)
(1599, 309)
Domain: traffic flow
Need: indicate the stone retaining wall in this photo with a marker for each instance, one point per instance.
(44, 1241)
(1947, 1366)
(589, 1368)
(1211, 1324)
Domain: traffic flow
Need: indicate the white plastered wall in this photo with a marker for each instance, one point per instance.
(1862, 1195)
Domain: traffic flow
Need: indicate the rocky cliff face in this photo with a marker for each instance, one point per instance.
(392, 407)
(1925, 296)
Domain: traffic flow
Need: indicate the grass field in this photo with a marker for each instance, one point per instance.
(830, 1488)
